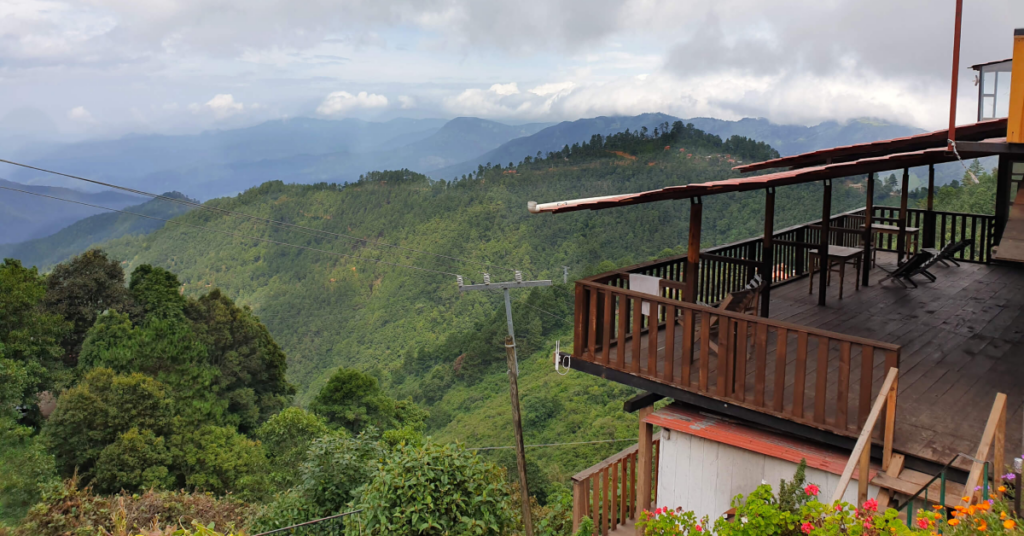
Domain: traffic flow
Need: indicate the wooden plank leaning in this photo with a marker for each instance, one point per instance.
(995, 427)
(864, 440)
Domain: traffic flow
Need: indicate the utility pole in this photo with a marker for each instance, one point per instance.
(513, 376)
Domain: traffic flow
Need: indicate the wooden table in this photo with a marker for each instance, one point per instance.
(894, 230)
(837, 256)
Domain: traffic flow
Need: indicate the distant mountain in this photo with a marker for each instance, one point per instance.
(787, 139)
(24, 217)
(77, 237)
(300, 150)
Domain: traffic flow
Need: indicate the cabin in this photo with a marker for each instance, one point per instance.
(884, 346)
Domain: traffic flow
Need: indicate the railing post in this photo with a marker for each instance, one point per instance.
(645, 466)
(579, 503)
(768, 251)
(929, 217)
(801, 253)
(901, 238)
(693, 250)
(869, 213)
(826, 221)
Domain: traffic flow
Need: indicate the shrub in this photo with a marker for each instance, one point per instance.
(435, 490)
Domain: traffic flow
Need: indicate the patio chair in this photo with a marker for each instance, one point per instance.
(916, 265)
(949, 251)
(743, 301)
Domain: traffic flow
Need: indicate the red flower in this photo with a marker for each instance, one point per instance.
(812, 490)
(871, 505)
(806, 528)
(699, 528)
(922, 523)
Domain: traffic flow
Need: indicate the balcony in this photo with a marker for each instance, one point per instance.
(818, 368)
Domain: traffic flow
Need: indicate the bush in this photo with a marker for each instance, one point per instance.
(219, 460)
(24, 466)
(137, 460)
(435, 490)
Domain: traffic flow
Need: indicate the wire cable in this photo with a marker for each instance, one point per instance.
(229, 233)
(557, 444)
(242, 214)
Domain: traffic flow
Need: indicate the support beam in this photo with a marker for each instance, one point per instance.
(901, 238)
(929, 217)
(693, 250)
(768, 250)
(1002, 196)
(826, 226)
(641, 401)
(869, 216)
(645, 465)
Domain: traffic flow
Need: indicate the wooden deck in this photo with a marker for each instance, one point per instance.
(962, 341)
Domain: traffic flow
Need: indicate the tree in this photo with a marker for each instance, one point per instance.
(353, 400)
(93, 414)
(435, 490)
(80, 289)
(29, 335)
(135, 461)
(286, 437)
(155, 290)
(219, 460)
(252, 366)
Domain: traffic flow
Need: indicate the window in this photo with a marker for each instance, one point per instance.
(994, 90)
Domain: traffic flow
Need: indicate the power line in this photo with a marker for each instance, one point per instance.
(242, 214)
(229, 233)
(557, 444)
(549, 313)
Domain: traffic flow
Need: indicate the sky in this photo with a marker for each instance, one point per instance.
(101, 68)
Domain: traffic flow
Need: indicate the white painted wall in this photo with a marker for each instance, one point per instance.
(703, 475)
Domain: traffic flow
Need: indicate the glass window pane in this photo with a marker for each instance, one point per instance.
(988, 82)
(986, 107)
(1002, 95)
(1018, 167)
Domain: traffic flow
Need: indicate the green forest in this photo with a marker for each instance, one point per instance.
(213, 370)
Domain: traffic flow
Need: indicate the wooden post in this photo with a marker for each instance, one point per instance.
(1002, 198)
(863, 475)
(579, 503)
(517, 424)
(645, 466)
(826, 221)
(768, 250)
(889, 429)
(996, 417)
(929, 217)
(901, 238)
(693, 250)
(999, 451)
(869, 215)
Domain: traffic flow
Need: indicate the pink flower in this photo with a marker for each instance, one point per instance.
(699, 528)
(812, 490)
(871, 505)
(806, 528)
(867, 524)
(839, 507)
(922, 523)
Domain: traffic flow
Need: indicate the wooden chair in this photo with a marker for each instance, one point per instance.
(949, 251)
(744, 301)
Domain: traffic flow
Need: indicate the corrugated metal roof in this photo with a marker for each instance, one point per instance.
(924, 157)
(973, 132)
(987, 63)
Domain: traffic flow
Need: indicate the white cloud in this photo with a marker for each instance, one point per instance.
(80, 114)
(342, 102)
(406, 102)
(224, 105)
(505, 89)
(555, 88)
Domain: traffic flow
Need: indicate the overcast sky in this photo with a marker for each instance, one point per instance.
(106, 67)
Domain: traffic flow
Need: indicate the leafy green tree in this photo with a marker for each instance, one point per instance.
(25, 467)
(135, 461)
(286, 437)
(155, 289)
(112, 343)
(219, 460)
(354, 400)
(336, 467)
(82, 288)
(435, 490)
(252, 366)
(29, 335)
(93, 414)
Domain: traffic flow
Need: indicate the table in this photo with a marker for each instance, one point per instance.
(837, 255)
(894, 230)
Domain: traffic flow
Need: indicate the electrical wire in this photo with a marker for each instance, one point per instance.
(258, 218)
(556, 444)
(229, 233)
(558, 316)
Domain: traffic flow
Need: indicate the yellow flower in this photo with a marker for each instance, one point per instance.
(1001, 489)
(983, 526)
(937, 506)
(954, 522)
(1009, 524)
(966, 498)
(1002, 515)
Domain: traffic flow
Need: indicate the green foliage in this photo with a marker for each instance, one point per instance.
(353, 400)
(155, 289)
(286, 438)
(793, 494)
(434, 490)
(93, 414)
(666, 522)
(759, 514)
(970, 196)
(82, 288)
(29, 335)
(218, 459)
(586, 527)
(24, 467)
(134, 461)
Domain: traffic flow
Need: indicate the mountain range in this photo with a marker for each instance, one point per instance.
(25, 217)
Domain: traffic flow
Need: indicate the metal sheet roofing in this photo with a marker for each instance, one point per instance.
(936, 155)
(973, 132)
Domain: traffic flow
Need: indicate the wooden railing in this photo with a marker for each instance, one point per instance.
(861, 455)
(944, 227)
(993, 439)
(766, 365)
(607, 491)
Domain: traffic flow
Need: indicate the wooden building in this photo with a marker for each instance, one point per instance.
(893, 381)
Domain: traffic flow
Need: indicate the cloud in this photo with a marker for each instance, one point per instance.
(406, 102)
(342, 102)
(81, 115)
(224, 105)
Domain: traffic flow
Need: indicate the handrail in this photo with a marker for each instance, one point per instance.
(994, 433)
(924, 489)
(607, 491)
(861, 452)
(781, 324)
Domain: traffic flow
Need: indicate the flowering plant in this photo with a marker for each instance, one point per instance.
(666, 522)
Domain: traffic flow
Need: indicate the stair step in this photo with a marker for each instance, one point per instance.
(910, 481)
